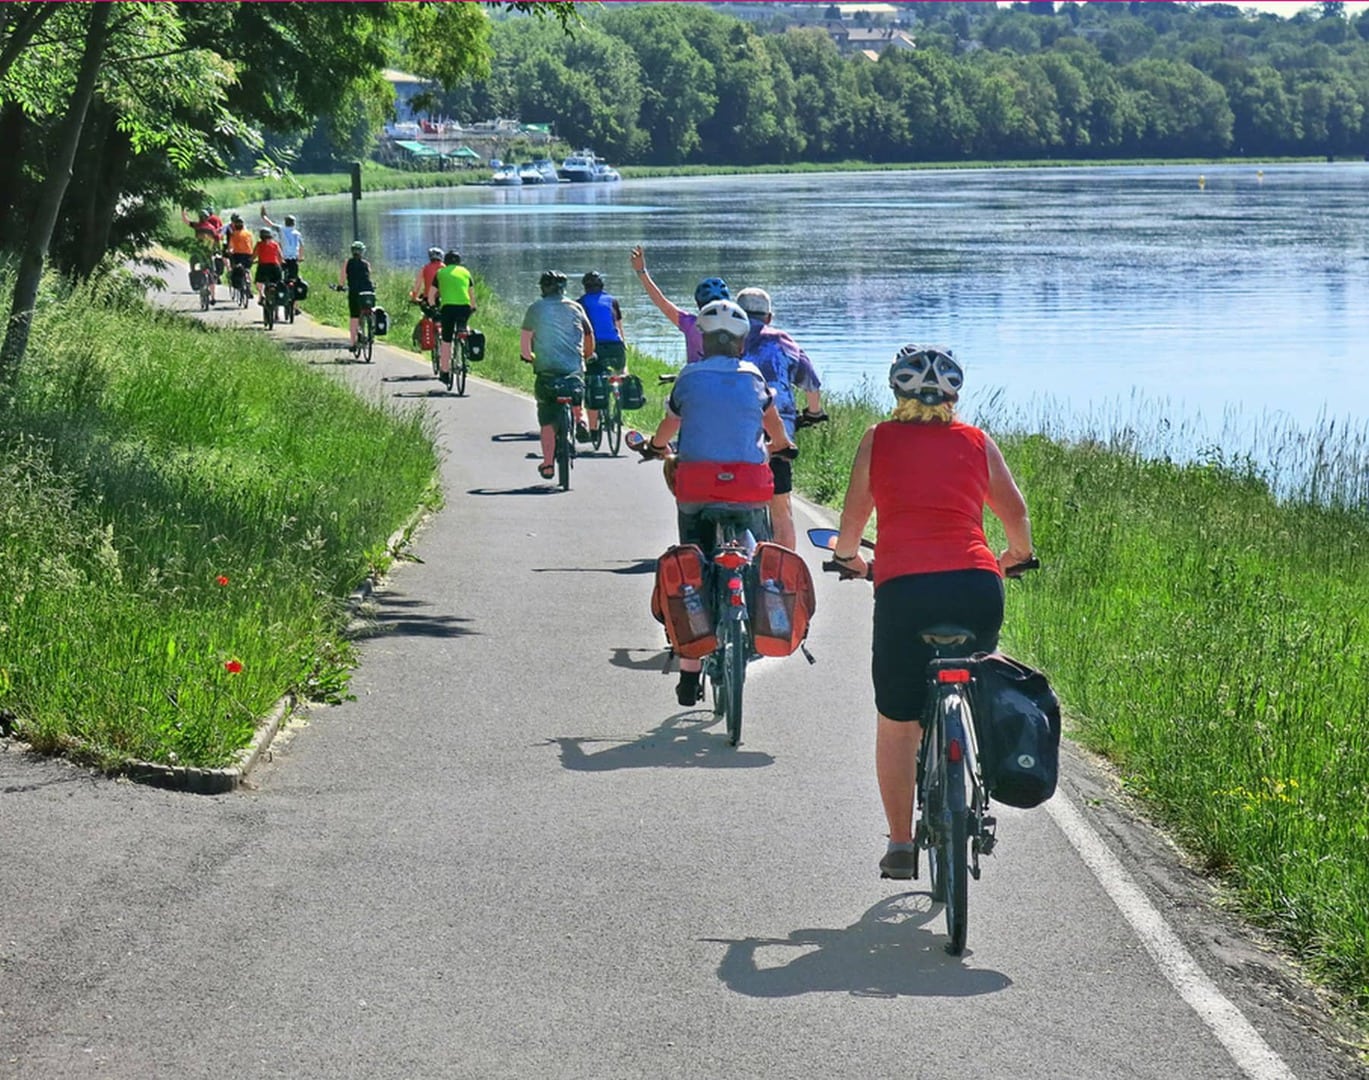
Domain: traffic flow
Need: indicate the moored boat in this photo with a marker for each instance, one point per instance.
(578, 168)
(506, 176)
(529, 173)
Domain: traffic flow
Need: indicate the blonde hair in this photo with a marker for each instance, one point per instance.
(912, 411)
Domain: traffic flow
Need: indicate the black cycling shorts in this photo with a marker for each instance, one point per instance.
(268, 272)
(454, 318)
(904, 606)
(783, 471)
(611, 354)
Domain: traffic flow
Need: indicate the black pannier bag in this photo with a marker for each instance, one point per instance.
(475, 345)
(382, 318)
(630, 392)
(301, 289)
(1017, 727)
(569, 386)
(197, 277)
(596, 390)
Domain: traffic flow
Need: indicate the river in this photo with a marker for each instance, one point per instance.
(1192, 293)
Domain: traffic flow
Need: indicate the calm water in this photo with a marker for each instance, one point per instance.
(1077, 288)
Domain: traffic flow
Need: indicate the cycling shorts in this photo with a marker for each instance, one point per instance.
(910, 603)
(454, 317)
(268, 272)
(697, 528)
(611, 354)
(548, 408)
(354, 303)
(783, 471)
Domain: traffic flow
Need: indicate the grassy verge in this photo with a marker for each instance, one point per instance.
(184, 512)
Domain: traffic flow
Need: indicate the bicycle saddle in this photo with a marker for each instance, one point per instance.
(946, 634)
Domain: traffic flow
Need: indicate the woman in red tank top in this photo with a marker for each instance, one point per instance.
(928, 477)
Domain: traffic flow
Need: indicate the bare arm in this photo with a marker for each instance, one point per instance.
(774, 427)
(525, 346)
(666, 430)
(665, 306)
(267, 219)
(858, 506)
(1008, 505)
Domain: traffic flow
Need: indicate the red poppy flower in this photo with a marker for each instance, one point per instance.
(232, 666)
(222, 579)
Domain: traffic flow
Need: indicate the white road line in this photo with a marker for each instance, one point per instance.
(1249, 1051)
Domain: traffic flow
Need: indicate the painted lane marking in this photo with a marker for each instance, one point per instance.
(1247, 1049)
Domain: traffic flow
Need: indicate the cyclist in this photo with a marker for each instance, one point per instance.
(291, 246)
(928, 477)
(610, 353)
(708, 290)
(208, 228)
(452, 288)
(556, 340)
(423, 280)
(722, 411)
(240, 245)
(784, 366)
(270, 263)
(355, 276)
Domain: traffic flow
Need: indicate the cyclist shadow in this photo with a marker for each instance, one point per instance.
(668, 746)
(516, 436)
(887, 953)
(638, 566)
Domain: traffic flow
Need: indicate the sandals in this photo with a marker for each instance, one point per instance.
(546, 472)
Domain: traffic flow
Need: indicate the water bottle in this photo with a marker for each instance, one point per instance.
(776, 616)
(695, 613)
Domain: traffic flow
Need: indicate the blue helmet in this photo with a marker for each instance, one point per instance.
(710, 289)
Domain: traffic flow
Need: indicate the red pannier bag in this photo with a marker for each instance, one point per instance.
(427, 334)
(784, 602)
(679, 601)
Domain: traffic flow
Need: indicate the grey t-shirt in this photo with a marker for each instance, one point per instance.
(558, 330)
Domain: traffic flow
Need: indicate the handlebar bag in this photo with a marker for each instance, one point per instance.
(687, 617)
(1017, 728)
(475, 344)
(784, 600)
(630, 392)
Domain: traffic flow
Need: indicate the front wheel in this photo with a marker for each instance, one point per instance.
(611, 420)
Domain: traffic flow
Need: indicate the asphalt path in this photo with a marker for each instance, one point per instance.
(513, 855)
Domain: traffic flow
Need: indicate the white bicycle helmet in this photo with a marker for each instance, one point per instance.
(926, 372)
(434, 253)
(723, 317)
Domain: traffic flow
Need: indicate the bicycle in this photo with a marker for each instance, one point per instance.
(953, 822)
(460, 364)
(610, 414)
(366, 327)
(240, 278)
(206, 288)
(568, 395)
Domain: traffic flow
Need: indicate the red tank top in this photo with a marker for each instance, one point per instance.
(930, 483)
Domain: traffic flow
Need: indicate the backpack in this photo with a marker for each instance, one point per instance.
(630, 392)
(784, 600)
(1017, 728)
(680, 603)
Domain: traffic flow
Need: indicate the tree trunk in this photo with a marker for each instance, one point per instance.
(50, 198)
(13, 131)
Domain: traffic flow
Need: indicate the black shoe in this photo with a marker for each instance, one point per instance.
(897, 864)
(690, 689)
(581, 433)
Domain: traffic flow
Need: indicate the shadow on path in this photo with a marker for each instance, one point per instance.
(658, 659)
(398, 617)
(888, 953)
(666, 747)
(516, 436)
(640, 566)
(532, 489)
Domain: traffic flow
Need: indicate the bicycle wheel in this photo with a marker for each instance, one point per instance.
(268, 306)
(565, 433)
(290, 304)
(459, 367)
(596, 434)
(734, 674)
(949, 856)
(611, 420)
(367, 340)
(204, 298)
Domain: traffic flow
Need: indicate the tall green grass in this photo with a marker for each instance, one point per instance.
(183, 512)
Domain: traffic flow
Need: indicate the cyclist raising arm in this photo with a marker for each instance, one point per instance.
(556, 340)
(708, 290)
(722, 411)
(928, 477)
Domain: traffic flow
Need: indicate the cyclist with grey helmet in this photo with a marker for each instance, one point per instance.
(556, 339)
(927, 476)
(722, 412)
(356, 278)
(706, 292)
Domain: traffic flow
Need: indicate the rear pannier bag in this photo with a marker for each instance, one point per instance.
(197, 276)
(630, 392)
(382, 318)
(475, 344)
(680, 603)
(301, 289)
(596, 390)
(1017, 728)
(784, 600)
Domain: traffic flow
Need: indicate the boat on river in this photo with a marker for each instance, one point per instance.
(547, 168)
(529, 173)
(584, 167)
(506, 176)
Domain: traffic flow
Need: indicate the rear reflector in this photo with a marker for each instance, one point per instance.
(956, 675)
